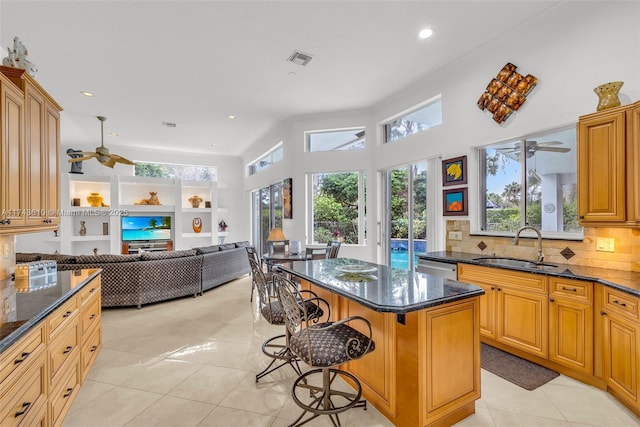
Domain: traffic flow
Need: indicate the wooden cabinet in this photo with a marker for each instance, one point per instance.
(520, 306)
(29, 153)
(11, 143)
(23, 380)
(621, 342)
(571, 330)
(608, 175)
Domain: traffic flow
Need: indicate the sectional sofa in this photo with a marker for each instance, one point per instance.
(135, 280)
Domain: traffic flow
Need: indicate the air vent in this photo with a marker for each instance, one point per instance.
(168, 124)
(300, 58)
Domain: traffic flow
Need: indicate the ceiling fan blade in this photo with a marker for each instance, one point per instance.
(122, 159)
(542, 144)
(554, 149)
(86, 156)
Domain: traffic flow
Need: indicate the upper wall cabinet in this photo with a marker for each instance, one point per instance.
(36, 169)
(608, 168)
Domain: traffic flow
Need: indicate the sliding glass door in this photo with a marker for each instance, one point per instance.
(267, 214)
(406, 214)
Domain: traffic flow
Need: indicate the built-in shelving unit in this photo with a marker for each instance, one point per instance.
(126, 195)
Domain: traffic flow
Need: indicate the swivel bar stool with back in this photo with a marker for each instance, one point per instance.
(277, 348)
(323, 346)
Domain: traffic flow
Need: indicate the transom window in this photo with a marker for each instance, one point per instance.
(335, 140)
(171, 170)
(418, 119)
(530, 181)
(266, 160)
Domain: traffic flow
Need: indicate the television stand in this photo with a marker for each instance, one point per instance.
(137, 246)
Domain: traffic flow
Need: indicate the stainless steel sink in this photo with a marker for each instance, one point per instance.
(513, 262)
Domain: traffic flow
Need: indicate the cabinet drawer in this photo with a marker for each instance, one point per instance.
(15, 361)
(575, 289)
(621, 303)
(90, 349)
(65, 392)
(26, 396)
(499, 276)
(63, 314)
(90, 316)
(63, 348)
(89, 290)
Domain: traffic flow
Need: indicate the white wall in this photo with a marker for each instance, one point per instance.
(571, 49)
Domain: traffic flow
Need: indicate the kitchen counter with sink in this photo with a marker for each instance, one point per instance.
(627, 281)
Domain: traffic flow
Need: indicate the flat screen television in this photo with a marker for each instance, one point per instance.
(146, 228)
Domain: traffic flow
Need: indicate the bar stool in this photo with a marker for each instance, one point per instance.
(253, 255)
(322, 345)
(277, 348)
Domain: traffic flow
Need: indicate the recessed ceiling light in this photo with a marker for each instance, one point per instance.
(231, 116)
(85, 93)
(113, 134)
(425, 33)
(214, 145)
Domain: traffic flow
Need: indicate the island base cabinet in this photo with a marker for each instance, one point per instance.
(425, 369)
(25, 404)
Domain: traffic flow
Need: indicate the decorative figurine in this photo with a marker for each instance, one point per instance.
(17, 58)
(83, 229)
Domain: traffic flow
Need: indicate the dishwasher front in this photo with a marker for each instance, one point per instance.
(438, 268)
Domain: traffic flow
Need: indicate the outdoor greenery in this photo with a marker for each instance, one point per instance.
(335, 207)
(183, 172)
(400, 203)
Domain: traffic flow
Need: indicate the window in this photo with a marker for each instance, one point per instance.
(421, 118)
(530, 181)
(338, 207)
(335, 140)
(270, 157)
(183, 172)
(267, 213)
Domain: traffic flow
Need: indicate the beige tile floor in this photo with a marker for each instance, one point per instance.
(192, 362)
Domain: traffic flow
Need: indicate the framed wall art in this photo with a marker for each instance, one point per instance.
(287, 195)
(455, 202)
(454, 171)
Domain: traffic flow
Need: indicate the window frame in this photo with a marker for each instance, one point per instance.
(385, 125)
(309, 133)
(251, 168)
(482, 187)
(362, 199)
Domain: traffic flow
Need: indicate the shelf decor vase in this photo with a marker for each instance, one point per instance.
(608, 95)
(195, 201)
(83, 229)
(95, 200)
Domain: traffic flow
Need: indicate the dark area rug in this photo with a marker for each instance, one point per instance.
(514, 369)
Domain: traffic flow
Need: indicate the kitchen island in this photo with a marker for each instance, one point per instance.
(425, 370)
(50, 335)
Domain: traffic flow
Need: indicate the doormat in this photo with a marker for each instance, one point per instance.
(514, 369)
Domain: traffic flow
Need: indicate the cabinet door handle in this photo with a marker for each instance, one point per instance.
(23, 357)
(552, 300)
(92, 290)
(67, 314)
(68, 393)
(581, 216)
(5, 222)
(564, 288)
(603, 313)
(25, 408)
(94, 348)
(499, 289)
(68, 349)
(621, 304)
(93, 316)
(493, 288)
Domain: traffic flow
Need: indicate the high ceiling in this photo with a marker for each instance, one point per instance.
(194, 63)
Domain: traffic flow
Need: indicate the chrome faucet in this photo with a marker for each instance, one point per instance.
(528, 227)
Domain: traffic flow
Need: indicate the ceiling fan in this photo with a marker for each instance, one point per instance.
(532, 146)
(102, 153)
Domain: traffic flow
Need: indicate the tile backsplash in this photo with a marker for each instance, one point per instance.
(626, 255)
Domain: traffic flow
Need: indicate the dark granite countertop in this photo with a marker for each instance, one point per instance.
(383, 289)
(25, 306)
(627, 281)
